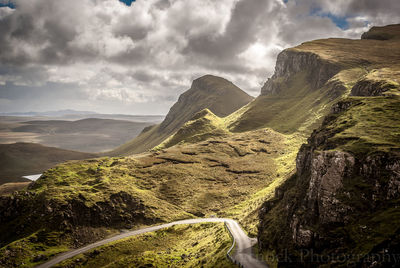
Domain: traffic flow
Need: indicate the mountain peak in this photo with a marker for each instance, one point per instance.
(220, 96)
(211, 82)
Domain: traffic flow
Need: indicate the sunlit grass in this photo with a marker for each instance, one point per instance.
(198, 245)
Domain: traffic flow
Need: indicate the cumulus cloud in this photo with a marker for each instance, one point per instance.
(139, 58)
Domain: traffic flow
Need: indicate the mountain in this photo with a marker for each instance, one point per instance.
(342, 204)
(208, 92)
(310, 167)
(154, 119)
(78, 115)
(214, 93)
(50, 113)
(21, 159)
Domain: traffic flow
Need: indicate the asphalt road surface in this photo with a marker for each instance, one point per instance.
(243, 250)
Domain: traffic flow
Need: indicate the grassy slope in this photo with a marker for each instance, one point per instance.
(371, 125)
(202, 179)
(38, 247)
(217, 94)
(21, 159)
(278, 111)
(180, 246)
(202, 126)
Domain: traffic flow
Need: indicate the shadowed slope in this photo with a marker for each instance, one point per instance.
(215, 93)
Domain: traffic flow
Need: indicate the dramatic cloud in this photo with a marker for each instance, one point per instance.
(137, 57)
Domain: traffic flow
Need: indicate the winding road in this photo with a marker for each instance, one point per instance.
(243, 250)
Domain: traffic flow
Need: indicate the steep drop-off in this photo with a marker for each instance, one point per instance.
(311, 77)
(342, 206)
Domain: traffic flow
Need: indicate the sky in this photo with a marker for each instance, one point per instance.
(137, 57)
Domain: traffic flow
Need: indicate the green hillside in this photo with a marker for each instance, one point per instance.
(82, 201)
(208, 92)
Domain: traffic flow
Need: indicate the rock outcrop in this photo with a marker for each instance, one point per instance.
(367, 87)
(333, 193)
(382, 33)
(291, 61)
(342, 206)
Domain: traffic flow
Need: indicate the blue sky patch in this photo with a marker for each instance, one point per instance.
(127, 2)
(340, 22)
(9, 4)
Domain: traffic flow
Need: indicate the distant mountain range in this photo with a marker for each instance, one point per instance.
(69, 114)
(20, 159)
(49, 113)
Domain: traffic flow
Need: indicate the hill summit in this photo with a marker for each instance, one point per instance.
(217, 94)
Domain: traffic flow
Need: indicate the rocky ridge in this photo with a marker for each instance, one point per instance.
(291, 62)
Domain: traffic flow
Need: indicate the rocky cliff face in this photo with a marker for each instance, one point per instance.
(366, 87)
(382, 33)
(290, 62)
(334, 195)
(342, 206)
